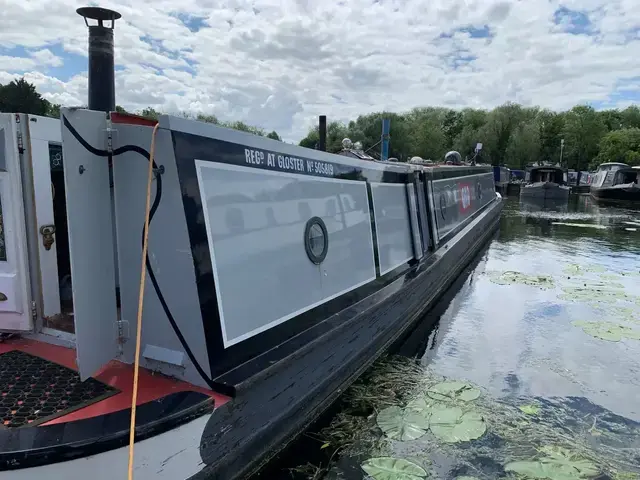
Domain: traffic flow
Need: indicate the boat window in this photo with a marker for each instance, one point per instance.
(479, 191)
(627, 177)
(316, 240)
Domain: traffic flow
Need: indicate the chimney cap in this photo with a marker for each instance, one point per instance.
(98, 13)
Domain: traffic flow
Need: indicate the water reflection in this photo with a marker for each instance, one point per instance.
(517, 340)
(516, 343)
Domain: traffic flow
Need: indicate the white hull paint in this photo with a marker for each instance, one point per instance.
(173, 455)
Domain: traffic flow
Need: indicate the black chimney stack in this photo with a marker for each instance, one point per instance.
(322, 127)
(102, 88)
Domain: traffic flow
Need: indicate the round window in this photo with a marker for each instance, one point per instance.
(316, 240)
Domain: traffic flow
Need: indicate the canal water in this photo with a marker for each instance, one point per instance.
(529, 368)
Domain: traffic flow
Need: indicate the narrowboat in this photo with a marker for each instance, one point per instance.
(617, 182)
(215, 289)
(545, 182)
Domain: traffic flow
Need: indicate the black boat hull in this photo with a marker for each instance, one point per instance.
(260, 422)
(616, 194)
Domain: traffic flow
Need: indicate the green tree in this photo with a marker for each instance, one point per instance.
(524, 145)
(150, 113)
(583, 131)
(620, 146)
(497, 131)
(207, 118)
(20, 96)
(471, 134)
(274, 135)
(630, 117)
(612, 119)
(53, 110)
(550, 128)
(336, 132)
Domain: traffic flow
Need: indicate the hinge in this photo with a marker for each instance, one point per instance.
(123, 331)
(34, 310)
(109, 136)
(20, 144)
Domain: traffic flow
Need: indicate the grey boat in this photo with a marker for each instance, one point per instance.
(545, 182)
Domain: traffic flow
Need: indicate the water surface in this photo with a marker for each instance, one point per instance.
(520, 346)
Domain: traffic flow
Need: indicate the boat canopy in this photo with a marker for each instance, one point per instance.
(545, 173)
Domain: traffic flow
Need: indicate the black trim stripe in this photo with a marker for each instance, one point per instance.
(374, 230)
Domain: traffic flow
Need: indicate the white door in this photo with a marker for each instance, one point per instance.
(44, 148)
(15, 294)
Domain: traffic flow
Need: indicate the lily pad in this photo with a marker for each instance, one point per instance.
(566, 458)
(557, 464)
(451, 425)
(611, 276)
(575, 269)
(403, 424)
(609, 331)
(453, 391)
(421, 404)
(530, 409)
(389, 468)
(585, 297)
(595, 291)
(511, 277)
(600, 285)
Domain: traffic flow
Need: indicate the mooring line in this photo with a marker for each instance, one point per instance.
(143, 276)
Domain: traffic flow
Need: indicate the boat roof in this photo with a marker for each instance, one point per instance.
(546, 167)
(612, 164)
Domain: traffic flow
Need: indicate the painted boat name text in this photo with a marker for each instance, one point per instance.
(283, 162)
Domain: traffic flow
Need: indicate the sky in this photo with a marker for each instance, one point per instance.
(278, 64)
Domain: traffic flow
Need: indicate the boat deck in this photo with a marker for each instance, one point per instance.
(61, 397)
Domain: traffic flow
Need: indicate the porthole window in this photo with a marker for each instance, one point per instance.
(316, 240)
(443, 205)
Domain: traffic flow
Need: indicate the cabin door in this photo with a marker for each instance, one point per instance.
(15, 292)
(52, 243)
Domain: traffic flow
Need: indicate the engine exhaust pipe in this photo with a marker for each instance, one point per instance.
(102, 87)
(322, 128)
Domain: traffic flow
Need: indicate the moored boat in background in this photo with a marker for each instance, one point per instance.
(545, 182)
(616, 181)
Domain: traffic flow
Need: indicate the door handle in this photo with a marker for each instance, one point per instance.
(47, 232)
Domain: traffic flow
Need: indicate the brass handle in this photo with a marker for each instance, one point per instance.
(47, 232)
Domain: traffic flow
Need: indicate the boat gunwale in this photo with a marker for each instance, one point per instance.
(100, 433)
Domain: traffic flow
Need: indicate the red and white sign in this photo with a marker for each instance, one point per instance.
(465, 196)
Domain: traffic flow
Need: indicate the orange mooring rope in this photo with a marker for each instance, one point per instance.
(143, 275)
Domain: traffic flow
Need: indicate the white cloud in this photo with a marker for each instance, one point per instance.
(280, 63)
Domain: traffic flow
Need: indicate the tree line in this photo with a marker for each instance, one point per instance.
(511, 134)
